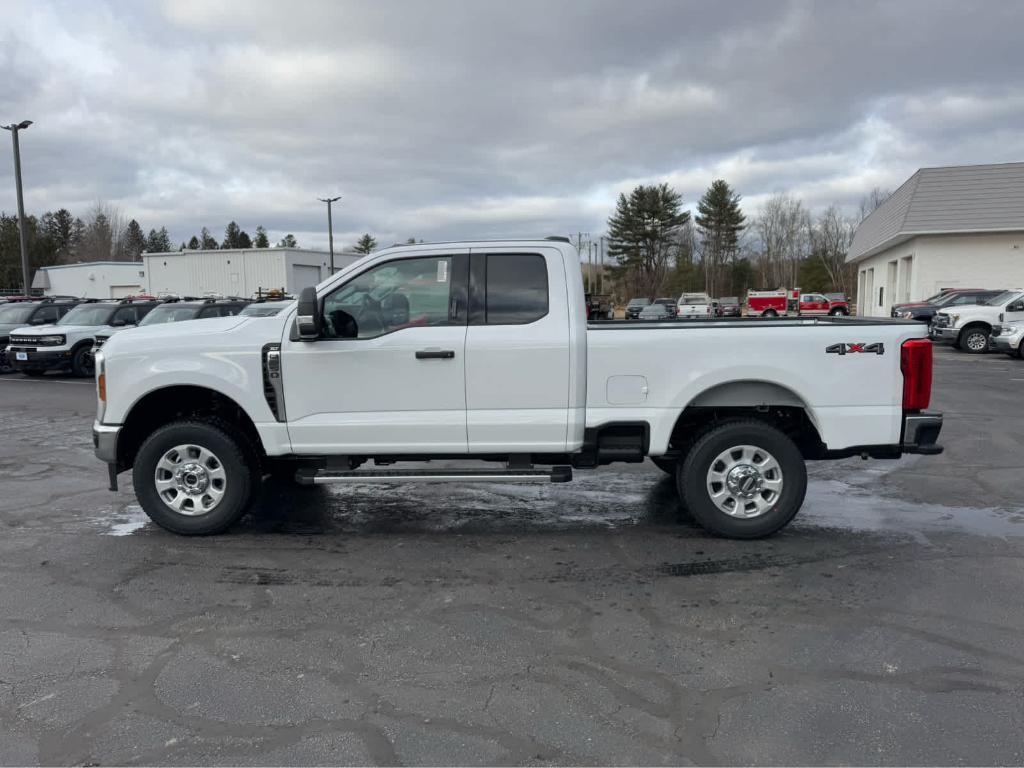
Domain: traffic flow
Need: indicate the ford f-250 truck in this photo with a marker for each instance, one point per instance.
(480, 352)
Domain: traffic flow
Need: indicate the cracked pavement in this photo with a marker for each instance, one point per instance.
(564, 624)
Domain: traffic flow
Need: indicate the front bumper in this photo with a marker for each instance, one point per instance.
(921, 431)
(1006, 343)
(38, 358)
(943, 334)
(104, 441)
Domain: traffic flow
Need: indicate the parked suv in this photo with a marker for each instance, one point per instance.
(729, 306)
(17, 313)
(177, 309)
(969, 327)
(67, 344)
(635, 307)
(924, 311)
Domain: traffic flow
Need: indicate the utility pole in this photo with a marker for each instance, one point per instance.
(330, 225)
(14, 128)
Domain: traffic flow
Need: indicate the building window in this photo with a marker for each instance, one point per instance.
(881, 295)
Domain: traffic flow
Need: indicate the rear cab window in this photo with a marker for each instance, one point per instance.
(516, 288)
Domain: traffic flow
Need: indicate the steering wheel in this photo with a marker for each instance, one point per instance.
(369, 316)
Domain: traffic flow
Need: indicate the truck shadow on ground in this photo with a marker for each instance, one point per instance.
(372, 508)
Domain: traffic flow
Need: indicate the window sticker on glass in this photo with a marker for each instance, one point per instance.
(442, 271)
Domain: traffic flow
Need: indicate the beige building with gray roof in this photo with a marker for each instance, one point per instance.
(954, 227)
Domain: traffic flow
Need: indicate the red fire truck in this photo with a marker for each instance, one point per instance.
(785, 301)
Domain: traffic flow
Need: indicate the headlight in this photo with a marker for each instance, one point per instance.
(53, 341)
(101, 385)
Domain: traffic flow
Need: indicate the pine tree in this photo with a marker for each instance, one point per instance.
(158, 241)
(288, 241)
(244, 241)
(261, 240)
(194, 244)
(207, 241)
(719, 222)
(366, 244)
(231, 235)
(134, 241)
(643, 232)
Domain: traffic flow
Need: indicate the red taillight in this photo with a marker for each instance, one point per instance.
(916, 364)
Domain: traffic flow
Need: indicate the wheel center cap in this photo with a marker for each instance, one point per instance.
(192, 478)
(744, 480)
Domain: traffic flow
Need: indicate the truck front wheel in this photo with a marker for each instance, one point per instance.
(194, 478)
(743, 480)
(974, 339)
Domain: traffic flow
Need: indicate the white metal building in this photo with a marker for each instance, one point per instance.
(92, 279)
(954, 227)
(240, 272)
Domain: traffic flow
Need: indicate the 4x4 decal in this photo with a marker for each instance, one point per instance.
(850, 349)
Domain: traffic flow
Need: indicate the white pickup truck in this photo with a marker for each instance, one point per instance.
(480, 352)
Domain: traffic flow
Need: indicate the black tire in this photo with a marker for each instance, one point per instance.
(33, 372)
(837, 312)
(769, 313)
(5, 364)
(974, 339)
(82, 363)
(233, 455)
(695, 492)
(667, 466)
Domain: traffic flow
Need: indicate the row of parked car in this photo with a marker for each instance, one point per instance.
(759, 304)
(974, 320)
(63, 333)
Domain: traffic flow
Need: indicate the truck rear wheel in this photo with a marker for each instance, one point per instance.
(769, 313)
(743, 480)
(194, 478)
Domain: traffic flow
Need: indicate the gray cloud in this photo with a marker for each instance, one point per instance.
(459, 119)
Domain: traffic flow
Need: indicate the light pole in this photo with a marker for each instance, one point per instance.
(330, 225)
(14, 128)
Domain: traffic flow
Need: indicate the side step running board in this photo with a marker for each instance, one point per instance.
(324, 476)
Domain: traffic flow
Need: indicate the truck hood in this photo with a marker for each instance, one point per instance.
(183, 329)
(964, 309)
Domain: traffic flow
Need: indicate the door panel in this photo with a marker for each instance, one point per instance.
(517, 353)
(375, 394)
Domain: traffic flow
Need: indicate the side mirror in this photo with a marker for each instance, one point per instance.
(308, 319)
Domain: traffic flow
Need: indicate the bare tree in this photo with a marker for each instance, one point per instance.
(104, 234)
(872, 200)
(783, 226)
(831, 237)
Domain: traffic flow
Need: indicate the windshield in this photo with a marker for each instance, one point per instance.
(169, 313)
(17, 313)
(944, 299)
(639, 302)
(89, 314)
(693, 298)
(263, 310)
(1003, 298)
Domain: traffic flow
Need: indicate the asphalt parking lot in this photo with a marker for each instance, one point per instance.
(583, 623)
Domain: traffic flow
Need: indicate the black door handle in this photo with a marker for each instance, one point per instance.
(435, 354)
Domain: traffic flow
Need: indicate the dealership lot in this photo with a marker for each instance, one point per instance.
(581, 623)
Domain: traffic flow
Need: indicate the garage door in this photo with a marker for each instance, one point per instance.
(302, 276)
(121, 291)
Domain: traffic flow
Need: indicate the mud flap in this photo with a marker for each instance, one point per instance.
(112, 475)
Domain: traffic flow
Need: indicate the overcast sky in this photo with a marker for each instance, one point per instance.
(478, 119)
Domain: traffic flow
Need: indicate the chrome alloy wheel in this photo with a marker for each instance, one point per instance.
(976, 341)
(744, 481)
(190, 480)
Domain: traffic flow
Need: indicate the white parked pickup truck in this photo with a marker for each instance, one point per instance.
(480, 352)
(969, 327)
